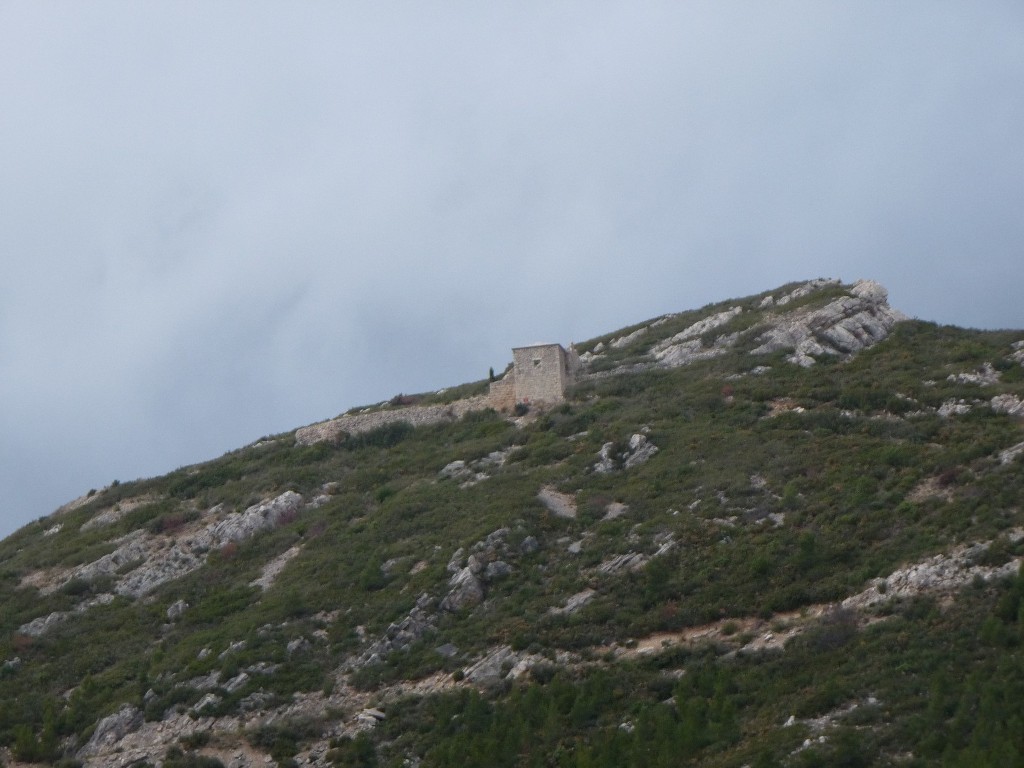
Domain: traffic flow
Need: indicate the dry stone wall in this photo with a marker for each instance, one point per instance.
(539, 374)
(416, 415)
(502, 393)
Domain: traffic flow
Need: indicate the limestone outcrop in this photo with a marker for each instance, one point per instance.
(638, 451)
(112, 729)
(144, 561)
(1008, 404)
(844, 326)
(941, 573)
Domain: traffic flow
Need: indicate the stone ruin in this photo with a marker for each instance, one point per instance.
(540, 374)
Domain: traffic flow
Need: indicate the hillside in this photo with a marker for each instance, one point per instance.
(782, 530)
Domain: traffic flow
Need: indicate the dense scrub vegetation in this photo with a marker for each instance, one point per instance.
(778, 491)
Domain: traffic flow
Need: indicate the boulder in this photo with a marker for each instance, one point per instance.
(466, 592)
(605, 461)
(640, 450)
(557, 503)
(177, 610)
(1008, 404)
(498, 569)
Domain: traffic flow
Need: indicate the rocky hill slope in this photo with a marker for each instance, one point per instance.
(778, 530)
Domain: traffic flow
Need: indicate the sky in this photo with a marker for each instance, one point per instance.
(222, 220)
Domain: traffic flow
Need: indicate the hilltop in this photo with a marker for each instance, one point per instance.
(784, 529)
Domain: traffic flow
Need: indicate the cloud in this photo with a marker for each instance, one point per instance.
(224, 220)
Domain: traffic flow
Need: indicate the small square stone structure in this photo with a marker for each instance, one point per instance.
(540, 375)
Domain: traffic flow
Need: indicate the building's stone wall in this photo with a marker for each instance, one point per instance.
(540, 373)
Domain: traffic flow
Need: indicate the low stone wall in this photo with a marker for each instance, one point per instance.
(416, 415)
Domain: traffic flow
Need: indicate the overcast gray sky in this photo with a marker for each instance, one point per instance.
(220, 220)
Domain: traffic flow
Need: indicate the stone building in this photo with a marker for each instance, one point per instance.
(540, 374)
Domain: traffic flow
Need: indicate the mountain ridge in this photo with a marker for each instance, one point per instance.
(723, 490)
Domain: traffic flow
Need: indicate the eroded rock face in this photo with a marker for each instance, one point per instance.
(188, 553)
(629, 338)
(492, 668)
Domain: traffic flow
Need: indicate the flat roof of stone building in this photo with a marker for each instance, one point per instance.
(538, 344)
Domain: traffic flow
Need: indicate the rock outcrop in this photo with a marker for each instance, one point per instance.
(112, 729)
(844, 326)
(1008, 404)
(467, 590)
(941, 573)
(485, 563)
(399, 635)
(638, 451)
(144, 561)
(468, 473)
